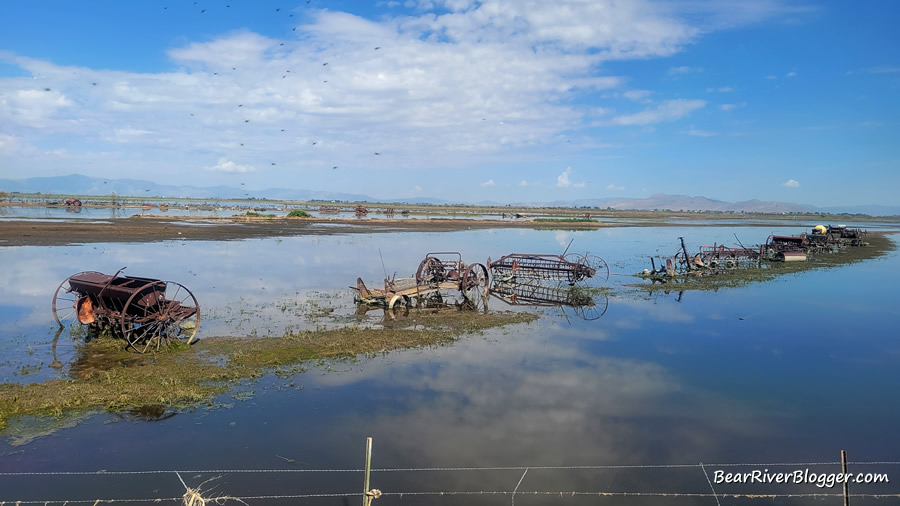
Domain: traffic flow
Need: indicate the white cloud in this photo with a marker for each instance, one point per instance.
(721, 89)
(637, 95)
(489, 182)
(524, 183)
(679, 71)
(771, 77)
(494, 76)
(669, 110)
(731, 107)
(791, 74)
(790, 183)
(562, 181)
(615, 188)
(700, 133)
(229, 166)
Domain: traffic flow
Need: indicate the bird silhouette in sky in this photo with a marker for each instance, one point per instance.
(324, 64)
(334, 167)
(377, 153)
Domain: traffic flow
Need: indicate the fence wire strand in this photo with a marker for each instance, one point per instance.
(512, 493)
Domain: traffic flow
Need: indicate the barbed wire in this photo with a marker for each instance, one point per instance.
(512, 493)
(471, 493)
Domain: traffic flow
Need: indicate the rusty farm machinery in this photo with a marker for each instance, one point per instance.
(567, 280)
(711, 260)
(517, 279)
(147, 313)
(438, 273)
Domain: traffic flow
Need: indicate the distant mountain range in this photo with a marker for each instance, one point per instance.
(77, 184)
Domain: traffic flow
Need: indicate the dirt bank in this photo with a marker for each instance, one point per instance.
(149, 229)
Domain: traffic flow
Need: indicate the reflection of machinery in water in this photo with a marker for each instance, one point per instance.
(587, 303)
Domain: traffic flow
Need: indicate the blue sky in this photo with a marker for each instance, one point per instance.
(503, 100)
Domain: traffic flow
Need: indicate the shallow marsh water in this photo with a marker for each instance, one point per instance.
(790, 370)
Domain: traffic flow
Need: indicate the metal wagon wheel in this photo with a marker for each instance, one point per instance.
(64, 300)
(474, 286)
(599, 265)
(430, 270)
(154, 321)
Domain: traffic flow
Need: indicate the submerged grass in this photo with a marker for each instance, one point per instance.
(879, 245)
(106, 376)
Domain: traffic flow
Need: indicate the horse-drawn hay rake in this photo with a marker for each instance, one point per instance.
(572, 268)
(148, 313)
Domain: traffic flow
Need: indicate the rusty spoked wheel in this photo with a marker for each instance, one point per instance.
(474, 287)
(160, 313)
(64, 300)
(586, 262)
(431, 270)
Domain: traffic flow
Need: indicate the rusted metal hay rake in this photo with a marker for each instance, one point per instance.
(148, 313)
(571, 268)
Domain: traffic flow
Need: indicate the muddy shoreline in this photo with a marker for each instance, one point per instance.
(152, 229)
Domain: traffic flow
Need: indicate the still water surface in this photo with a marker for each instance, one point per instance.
(791, 370)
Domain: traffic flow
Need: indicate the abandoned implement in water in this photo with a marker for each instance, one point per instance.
(148, 313)
(571, 268)
(437, 272)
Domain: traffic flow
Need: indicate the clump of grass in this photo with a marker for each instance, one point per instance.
(298, 213)
(254, 214)
(106, 376)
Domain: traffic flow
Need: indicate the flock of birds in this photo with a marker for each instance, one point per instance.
(247, 120)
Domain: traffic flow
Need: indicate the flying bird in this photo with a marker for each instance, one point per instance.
(377, 153)
(377, 48)
(273, 163)
(326, 63)
(334, 167)
(314, 142)
(246, 121)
